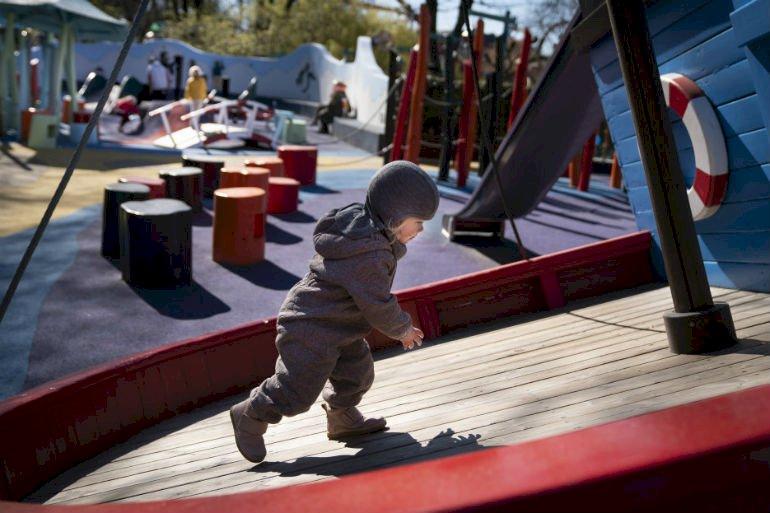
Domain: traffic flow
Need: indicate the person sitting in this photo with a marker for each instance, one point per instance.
(131, 121)
(338, 106)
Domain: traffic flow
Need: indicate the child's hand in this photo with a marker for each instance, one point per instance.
(414, 336)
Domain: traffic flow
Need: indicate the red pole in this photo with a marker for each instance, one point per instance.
(414, 134)
(586, 163)
(615, 172)
(462, 144)
(519, 92)
(397, 151)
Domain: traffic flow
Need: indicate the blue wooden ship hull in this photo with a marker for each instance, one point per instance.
(724, 47)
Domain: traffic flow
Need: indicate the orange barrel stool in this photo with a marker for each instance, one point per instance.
(299, 162)
(283, 195)
(115, 194)
(239, 225)
(274, 164)
(156, 243)
(244, 177)
(157, 186)
(210, 165)
(185, 184)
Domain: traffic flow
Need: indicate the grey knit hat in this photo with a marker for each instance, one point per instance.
(400, 190)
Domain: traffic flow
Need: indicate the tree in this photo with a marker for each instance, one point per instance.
(547, 22)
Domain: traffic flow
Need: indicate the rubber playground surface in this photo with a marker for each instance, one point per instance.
(72, 310)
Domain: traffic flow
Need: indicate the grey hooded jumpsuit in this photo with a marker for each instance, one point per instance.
(325, 316)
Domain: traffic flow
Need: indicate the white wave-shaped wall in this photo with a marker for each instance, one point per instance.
(305, 74)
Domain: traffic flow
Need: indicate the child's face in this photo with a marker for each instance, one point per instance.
(408, 229)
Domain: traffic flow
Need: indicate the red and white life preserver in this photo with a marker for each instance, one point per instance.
(708, 144)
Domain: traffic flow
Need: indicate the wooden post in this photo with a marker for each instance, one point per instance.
(394, 70)
(414, 134)
(697, 324)
(519, 92)
(397, 152)
(615, 172)
(586, 163)
(573, 169)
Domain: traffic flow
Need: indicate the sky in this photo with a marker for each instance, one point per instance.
(447, 12)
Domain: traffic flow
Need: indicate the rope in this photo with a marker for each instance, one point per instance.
(441, 103)
(396, 83)
(487, 145)
(72, 163)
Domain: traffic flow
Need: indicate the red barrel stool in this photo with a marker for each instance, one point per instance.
(274, 164)
(299, 162)
(283, 195)
(157, 185)
(244, 177)
(239, 225)
(210, 165)
(185, 184)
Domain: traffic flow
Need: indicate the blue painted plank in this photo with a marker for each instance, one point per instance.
(740, 247)
(737, 117)
(733, 275)
(754, 277)
(633, 175)
(748, 150)
(716, 53)
(723, 86)
(740, 116)
(747, 184)
(731, 217)
(745, 150)
(659, 18)
(628, 150)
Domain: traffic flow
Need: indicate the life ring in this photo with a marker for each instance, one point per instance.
(685, 98)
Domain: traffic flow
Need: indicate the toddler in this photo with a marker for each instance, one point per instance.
(325, 316)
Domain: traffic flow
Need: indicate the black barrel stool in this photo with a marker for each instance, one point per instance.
(185, 184)
(114, 195)
(211, 165)
(156, 243)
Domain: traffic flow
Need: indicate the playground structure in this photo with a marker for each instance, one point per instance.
(647, 461)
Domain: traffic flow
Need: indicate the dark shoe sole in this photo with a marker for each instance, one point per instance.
(356, 432)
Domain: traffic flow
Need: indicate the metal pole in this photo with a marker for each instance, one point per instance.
(447, 148)
(394, 70)
(696, 325)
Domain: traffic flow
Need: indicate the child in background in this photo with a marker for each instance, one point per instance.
(196, 89)
(324, 318)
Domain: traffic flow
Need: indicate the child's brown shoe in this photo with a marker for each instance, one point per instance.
(248, 432)
(346, 422)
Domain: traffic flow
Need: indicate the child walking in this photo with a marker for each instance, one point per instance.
(325, 316)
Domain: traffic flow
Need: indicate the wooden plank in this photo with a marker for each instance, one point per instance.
(370, 400)
(558, 374)
(166, 481)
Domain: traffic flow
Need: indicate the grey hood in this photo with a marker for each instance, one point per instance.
(352, 230)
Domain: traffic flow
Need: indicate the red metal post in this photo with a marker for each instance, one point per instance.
(586, 163)
(462, 143)
(615, 173)
(414, 135)
(519, 92)
(397, 152)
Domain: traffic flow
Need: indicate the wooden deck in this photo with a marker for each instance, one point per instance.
(587, 364)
